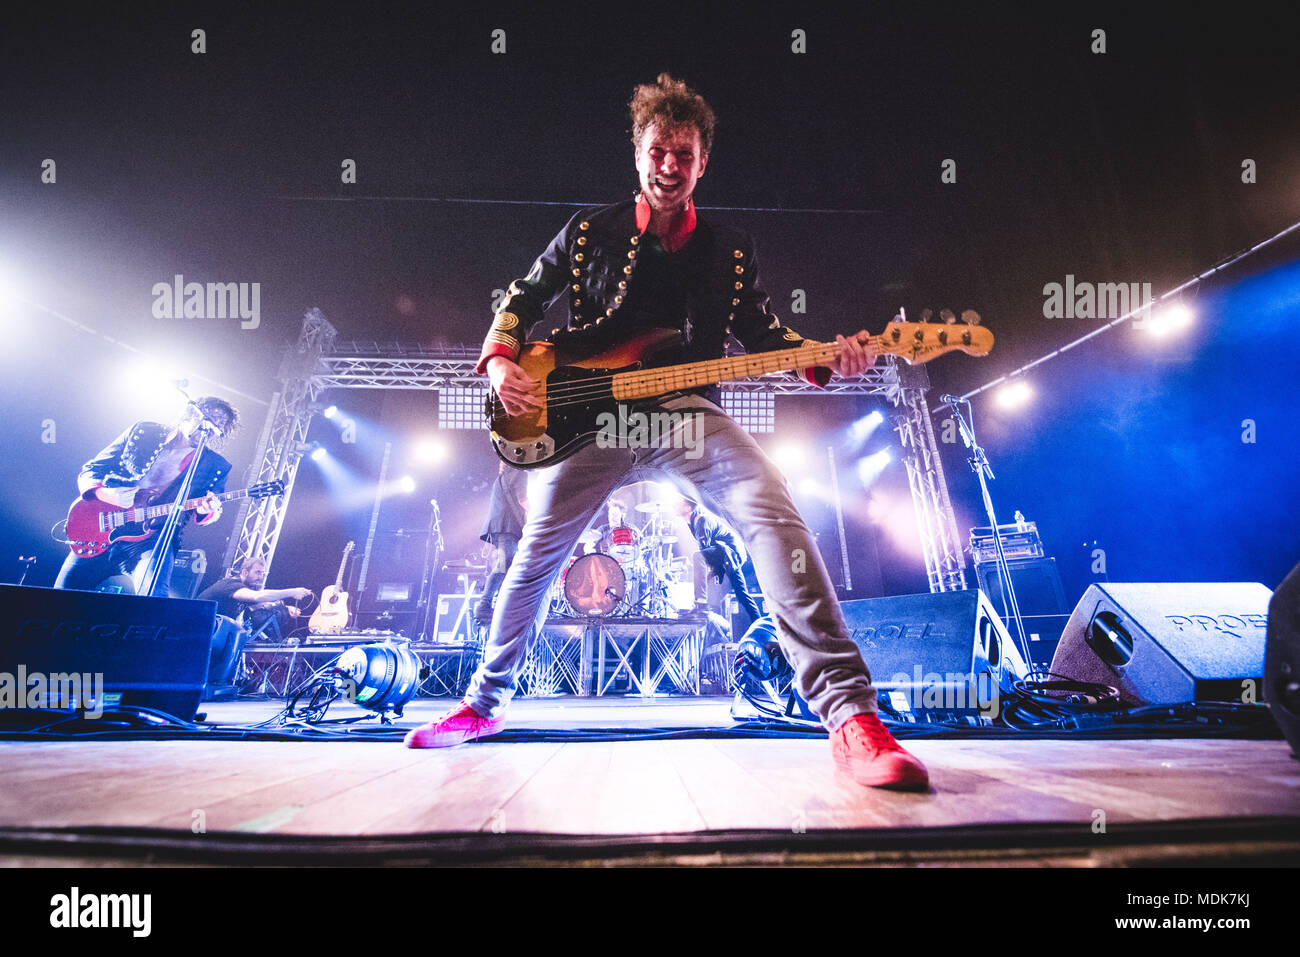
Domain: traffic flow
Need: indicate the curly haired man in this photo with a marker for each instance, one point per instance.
(653, 261)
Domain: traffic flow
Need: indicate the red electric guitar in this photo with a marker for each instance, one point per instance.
(93, 525)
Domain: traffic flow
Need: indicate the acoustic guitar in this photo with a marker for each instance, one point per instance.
(332, 615)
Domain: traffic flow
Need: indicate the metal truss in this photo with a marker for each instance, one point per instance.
(282, 442)
(945, 564)
(319, 362)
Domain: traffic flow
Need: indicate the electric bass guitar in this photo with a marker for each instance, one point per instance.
(332, 615)
(583, 391)
(93, 525)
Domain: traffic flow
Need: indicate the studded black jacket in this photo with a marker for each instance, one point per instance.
(619, 281)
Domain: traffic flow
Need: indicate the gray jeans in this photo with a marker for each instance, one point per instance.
(735, 479)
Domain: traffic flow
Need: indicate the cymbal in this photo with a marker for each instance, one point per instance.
(461, 566)
(652, 507)
(656, 540)
(589, 537)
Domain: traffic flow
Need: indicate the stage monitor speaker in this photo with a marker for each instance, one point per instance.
(1282, 658)
(131, 650)
(1168, 643)
(944, 657)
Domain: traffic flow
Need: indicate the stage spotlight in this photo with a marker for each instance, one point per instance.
(861, 430)
(331, 411)
(431, 450)
(1014, 394)
(870, 467)
(156, 385)
(318, 454)
(406, 484)
(810, 486)
(1169, 319)
(380, 678)
(790, 457)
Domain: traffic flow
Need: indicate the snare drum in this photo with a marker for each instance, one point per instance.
(594, 585)
(623, 544)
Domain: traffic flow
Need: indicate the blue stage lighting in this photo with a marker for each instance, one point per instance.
(870, 467)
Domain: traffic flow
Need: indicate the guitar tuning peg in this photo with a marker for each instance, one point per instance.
(970, 317)
(926, 314)
(947, 316)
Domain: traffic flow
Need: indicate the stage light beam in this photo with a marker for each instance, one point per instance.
(790, 457)
(870, 467)
(431, 451)
(1015, 394)
(1168, 320)
(861, 430)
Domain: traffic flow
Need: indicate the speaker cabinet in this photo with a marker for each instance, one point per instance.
(122, 649)
(1040, 597)
(943, 657)
(1168, 643)
(1282, 658)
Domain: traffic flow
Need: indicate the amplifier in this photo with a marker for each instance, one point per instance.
(454, 617)
(1019, 540)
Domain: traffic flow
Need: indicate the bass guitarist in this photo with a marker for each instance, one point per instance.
(624, 268)
(145, 464)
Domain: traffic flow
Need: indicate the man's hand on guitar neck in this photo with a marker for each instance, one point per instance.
(209, 510)
(518, 391)
(857, 355)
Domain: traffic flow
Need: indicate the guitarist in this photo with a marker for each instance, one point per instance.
(654, 261)
(145, 464)
(723, 553)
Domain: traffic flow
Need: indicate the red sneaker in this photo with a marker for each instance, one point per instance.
(462, 723)
(864, 749)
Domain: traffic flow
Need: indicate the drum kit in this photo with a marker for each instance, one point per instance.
(635, 576)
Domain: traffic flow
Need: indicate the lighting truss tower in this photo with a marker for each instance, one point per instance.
(280, 445)
(945, 563)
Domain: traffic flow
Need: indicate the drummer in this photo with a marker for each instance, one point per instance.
(616, 513)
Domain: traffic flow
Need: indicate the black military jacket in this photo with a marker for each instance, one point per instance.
(619, 281)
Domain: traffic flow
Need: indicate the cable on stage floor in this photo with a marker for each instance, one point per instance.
(1190, 720)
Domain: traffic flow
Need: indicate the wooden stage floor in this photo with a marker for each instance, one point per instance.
(629, 787)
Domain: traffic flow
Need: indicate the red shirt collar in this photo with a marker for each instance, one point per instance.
(677, 238)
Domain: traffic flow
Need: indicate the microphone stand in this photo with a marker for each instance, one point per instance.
(433, 546)
(161, 551)
(979, 463)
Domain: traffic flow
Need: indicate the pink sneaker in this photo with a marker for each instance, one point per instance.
(462, 723)
(864, 749)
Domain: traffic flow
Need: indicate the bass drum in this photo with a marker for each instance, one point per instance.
(594, 585)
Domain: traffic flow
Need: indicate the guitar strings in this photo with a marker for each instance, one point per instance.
(578, 392)
(565, 389)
